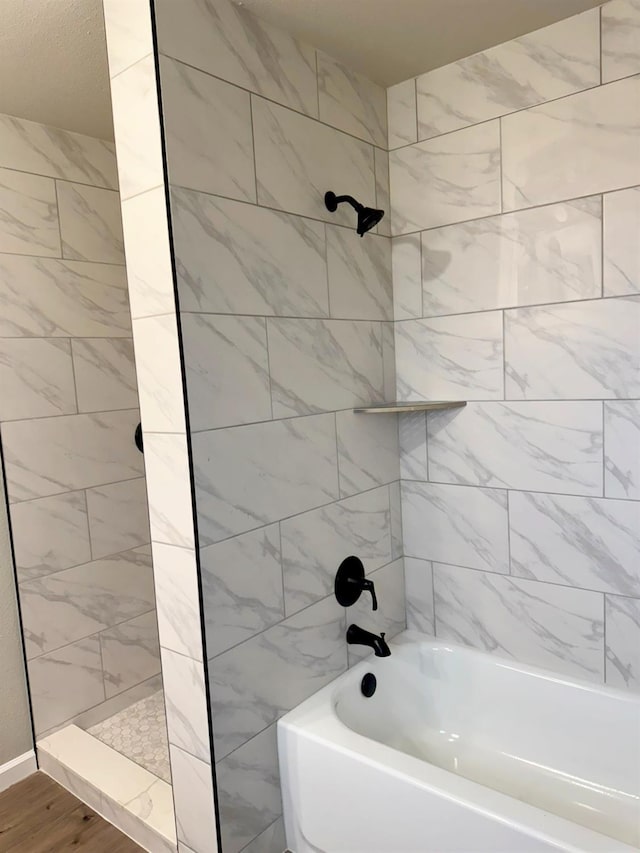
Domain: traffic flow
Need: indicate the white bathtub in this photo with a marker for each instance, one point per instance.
(461, 752)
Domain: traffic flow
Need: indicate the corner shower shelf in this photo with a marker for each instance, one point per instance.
(417, 406)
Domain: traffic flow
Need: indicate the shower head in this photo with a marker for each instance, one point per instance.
(368, 217)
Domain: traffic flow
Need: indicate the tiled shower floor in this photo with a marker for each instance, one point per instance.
(140, 733)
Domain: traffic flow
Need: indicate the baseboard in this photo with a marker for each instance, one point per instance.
(17, 769)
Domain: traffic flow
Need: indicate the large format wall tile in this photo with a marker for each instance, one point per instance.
(582, 542)
(536, 623)
(249, 476)
(158, 365)
(406, 265)
(540, 66)
(322, 365)
(623, 641)
(456, 524)
(90, 223)
(118, 517)
(263, 678)
(241, 587)
(192, 785)
(36, 377)
(412, 435)
(401, 114)
(130, 653)
(351, 102)
(175, 574)
(43, 297)
(601, 124)
(186, 703)
(28, 215)
(50, 455)
(549, 254)
(620, 39)
(450, 358)
(584, 350)
(622, 449)
(105, 374)
(367, 451)
(315, 543)
(418, 582)
(383, 189)
(208, 132)
(298, 160)
(169, 489)
(227, 370)
(222, 39)
(360, 285)
(30, 147)
(266, 262)
(536, 446)
(446, 180)
(621, 224)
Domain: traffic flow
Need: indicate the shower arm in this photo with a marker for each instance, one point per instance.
(350, 200)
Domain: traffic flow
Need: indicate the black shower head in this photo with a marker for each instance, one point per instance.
(368, 217)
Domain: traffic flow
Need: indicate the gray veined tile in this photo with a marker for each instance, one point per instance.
(130, 653)
(622, 641)
(50, 534)
(601, 123)
(105, 374)
(582, 350)
(323, 365)
(620, 39)
(446, 180)
(259, 680)
(175, 574)
(90, 223)
(192, 783)
(186, 704)
(536, 446)
(621, 222)
(583, 542)
(43, 297)
(248, 783)
(367, 451)
(391, 614)
(159, 370)
(31, 147)
(51, 455)
(383, 189)
(407, 277)
(36, 377)
(169, 489)
(396, 529)
(28, 215)
(360, 283)
(268, 262)
(412, 431)
(227, 370)
(549, 63)
(118, 517)
(418, 581)
(66, 606)
(351, 102)
(315, 543)
(548, 254)
(208, 132)
(402, 114)
(536, 623)
(389, 378)
(456, 524)
(241, 587)
(298, 160)
(450, 358)
(128, 30)
(229, 42)
(622, 449)
(250, 476)
(272, 840)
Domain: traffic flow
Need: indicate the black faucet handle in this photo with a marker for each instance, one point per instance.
(369, 586)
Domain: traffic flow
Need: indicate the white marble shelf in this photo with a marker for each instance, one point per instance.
(416, 406)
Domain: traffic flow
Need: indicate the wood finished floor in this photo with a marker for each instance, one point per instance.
(39, 816)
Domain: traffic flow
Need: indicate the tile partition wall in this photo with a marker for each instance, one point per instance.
(68, 410)
(516, 214)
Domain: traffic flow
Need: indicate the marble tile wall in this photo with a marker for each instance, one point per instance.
(515, 214)
(69, 407)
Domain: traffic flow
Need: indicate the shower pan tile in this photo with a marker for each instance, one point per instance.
(208, 132)
(105, 374)
(29, 224)
(391, 614)
(360, 285)
(549, 63)
(322, 365)
(541, 624)
(129, 35)
(269, 262)
(194, 802)
(583, 542)
(620, 39)
(402, 114)
(548, 254)
(315, 543)
(175, 575)
(241, 587)
(43, 297)
(186, 703)
(407, 277)
(621, 222)
(36, 377)
(586, 350)
(169, 489)
(90, 223)
(418, 579)
(351, 102)
(622, 449)
(623, 641)
(159, 371)
(456, 524)
(535, 446)
(367, 452)
(130, 653)
(118, 517)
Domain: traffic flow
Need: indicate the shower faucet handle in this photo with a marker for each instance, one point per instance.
(351, 582)
(369, 586)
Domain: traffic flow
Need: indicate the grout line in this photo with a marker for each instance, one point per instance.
(509, 531)
(415, 86)
(602, 245)
(253, 147)
(61, 259)
(70, 491)
(335, 427)
(433, 596)
(55, 191)
(604, 470)
(326, 271)
(266, 335)
(504, 356)
(604, 637)
(500, 150)
(135, 62)
(505, 488)
(284, 593)
(600, 43)
(317, 83)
